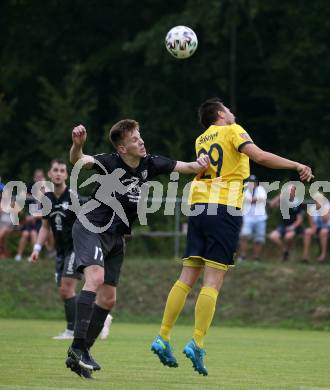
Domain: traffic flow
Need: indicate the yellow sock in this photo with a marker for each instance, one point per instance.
(204, 311)
(174, 304)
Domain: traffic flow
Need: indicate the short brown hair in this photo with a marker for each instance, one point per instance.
(57, 161)
(119, 130)
(208, 111)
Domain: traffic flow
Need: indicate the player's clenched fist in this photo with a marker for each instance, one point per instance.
(203, 160)
(305, 172)
(34, 256)
(79, 135)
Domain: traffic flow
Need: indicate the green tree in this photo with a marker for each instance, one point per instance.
(60, 109)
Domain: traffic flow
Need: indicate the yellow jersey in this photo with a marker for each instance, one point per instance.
(223, 181)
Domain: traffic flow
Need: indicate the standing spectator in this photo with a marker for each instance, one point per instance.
(254, 219)
(318, 225)
(285, 233)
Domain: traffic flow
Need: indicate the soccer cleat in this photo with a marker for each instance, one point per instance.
(86, 374)
(88, 358)
(196, 355)
(78, 357)
(163, 350)
(106, 327)
(66, 335)
(70, 363)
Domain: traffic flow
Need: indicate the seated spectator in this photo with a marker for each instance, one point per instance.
(31, 224)
(254, 219)
(29, 232)
(319, 225)
(38, 177)
(283, 236)
(6, 227)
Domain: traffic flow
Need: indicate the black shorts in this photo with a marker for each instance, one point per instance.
(29, 227)
(104, 249)
(66, 267)
(213, 238)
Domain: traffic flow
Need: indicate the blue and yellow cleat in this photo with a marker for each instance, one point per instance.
(163, 350)
(196, 355)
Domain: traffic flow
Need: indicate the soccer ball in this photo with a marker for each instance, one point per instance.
(181, 42)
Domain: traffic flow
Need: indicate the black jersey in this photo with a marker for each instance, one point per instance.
(125, 188)
(61, 219)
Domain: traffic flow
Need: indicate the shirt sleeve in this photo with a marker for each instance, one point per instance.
(160, 165)
(105, 160)
(239, 137)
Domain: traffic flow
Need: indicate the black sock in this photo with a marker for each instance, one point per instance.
(97, 321)
(85, 303)
(70, 312)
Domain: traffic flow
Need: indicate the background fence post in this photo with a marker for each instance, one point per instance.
(177, 228)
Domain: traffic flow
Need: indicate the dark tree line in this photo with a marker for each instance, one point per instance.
(96, 61)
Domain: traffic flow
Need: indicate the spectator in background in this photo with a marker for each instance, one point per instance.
(318, 225)
(285, 233)
(31, 224)
(6, 227)
(38, 177)
(254, 219)
(29, 232)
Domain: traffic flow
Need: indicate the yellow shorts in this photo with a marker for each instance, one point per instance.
(200, 262)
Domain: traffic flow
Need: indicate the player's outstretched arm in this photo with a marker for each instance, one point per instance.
(42, 237)
(79, 136)
(195, 167)
(274, 161)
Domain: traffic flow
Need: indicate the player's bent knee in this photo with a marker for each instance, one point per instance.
(92, 283)
(67, 291)
(107, 302)
(94, 277)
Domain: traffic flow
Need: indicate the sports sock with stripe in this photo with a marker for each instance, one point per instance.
(204, 311)
(174, 305)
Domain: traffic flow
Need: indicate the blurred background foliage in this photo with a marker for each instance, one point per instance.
(94, 62)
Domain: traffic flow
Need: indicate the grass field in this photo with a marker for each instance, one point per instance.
(237, 358)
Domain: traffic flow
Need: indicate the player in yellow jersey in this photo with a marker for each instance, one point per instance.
(213, 229)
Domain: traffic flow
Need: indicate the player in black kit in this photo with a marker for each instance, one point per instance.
(98, 235)
(60, 219)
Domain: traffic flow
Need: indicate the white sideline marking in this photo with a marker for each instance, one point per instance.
(21, 387)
